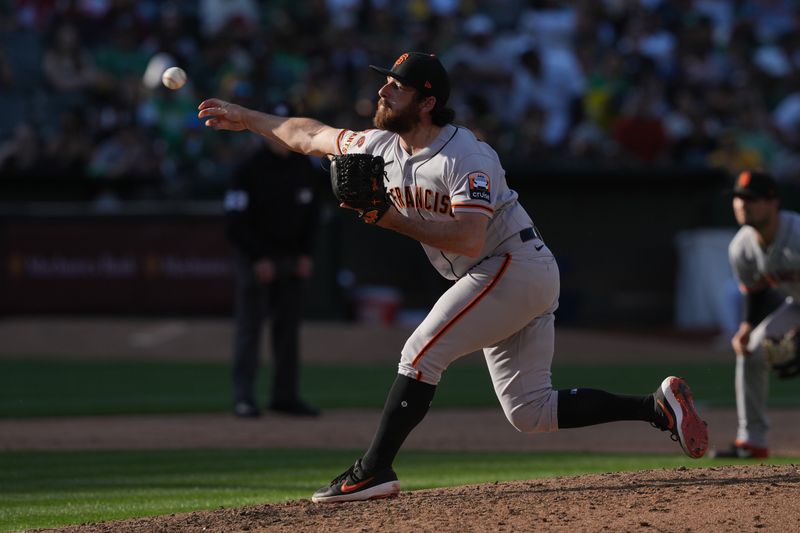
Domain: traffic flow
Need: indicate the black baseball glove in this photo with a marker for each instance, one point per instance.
(782, 354)
(358, 181)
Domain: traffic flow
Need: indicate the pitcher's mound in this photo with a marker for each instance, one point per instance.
(726, 498)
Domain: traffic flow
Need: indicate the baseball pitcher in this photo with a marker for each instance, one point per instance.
(420, 175)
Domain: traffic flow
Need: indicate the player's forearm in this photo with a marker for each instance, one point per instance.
(299, 134)
(462, 237)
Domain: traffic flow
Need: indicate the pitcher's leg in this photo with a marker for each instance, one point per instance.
(499, 297)
(459, 323)
(406, 405)
(520, 371)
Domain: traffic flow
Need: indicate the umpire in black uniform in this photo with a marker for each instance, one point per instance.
(271, 211)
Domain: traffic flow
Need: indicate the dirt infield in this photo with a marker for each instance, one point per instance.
(724, 499)
(442, 429)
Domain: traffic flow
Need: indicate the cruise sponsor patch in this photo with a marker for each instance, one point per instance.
(480, 187)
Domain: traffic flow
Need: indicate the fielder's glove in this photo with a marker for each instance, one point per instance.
(358, 181)
(782, 354)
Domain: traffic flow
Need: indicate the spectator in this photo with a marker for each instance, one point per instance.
(23, 154)
(126, 154)
(639, 132)
(68, 67)
(691, 133)
(121, 58)
(71, 147)
(481, 68)
(550, 86)
(701, 63)
(239, 15)
(599, 53)
(786, 115)
(730, 156)
(7, 77)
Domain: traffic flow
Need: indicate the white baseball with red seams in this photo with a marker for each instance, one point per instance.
(503, 301)
(174, 78)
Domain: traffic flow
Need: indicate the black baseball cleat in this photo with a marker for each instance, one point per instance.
(675, 413)
(355, 485)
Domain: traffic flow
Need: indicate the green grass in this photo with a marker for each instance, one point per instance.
(64, 388)
(68, 388)
(50, 489)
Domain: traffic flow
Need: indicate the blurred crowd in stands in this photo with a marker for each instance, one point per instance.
(682, 83)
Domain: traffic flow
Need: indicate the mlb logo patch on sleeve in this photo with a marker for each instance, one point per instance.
(480, 187)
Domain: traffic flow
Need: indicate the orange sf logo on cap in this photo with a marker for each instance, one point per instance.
(744, 179)
(401, 59)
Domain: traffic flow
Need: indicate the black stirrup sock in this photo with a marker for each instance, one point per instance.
(587, 407)
(406, 405)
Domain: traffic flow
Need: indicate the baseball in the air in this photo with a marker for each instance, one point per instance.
(174, 78)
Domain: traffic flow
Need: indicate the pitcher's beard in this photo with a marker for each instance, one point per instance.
(402, 122)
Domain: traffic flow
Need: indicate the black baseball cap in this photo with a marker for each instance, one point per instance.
(754, 184)
(422, 71)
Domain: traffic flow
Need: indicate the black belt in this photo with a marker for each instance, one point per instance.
(528, 234)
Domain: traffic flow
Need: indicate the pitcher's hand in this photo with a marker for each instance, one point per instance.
(222, 115)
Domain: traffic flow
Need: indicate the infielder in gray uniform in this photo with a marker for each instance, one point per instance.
(764, 255)
(449, 192)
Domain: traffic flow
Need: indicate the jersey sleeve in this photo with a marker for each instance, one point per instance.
(745, 268)
(354, 142)
(474, 185)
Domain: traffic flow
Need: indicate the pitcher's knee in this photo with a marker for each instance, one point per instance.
(536, 416)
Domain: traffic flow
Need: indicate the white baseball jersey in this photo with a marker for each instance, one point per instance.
(455, 173)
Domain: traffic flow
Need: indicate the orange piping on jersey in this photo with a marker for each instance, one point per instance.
(464, 311)
(489, 209)
(419, 375)
(339, 141)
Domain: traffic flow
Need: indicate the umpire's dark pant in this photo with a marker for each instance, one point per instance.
(282, 301)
